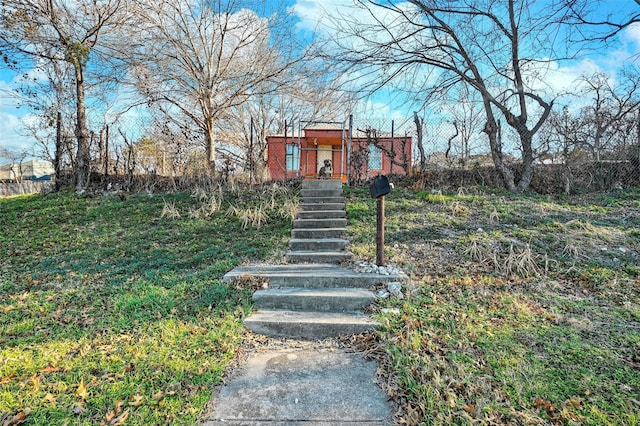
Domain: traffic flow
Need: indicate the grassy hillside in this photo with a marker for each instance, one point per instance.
(113, 310)
(526, 309)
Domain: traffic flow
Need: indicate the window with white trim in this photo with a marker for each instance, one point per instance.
(293, 157)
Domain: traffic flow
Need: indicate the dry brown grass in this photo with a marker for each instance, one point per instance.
(516, 298)
(249, 216)
(520, 261)
(170, 211)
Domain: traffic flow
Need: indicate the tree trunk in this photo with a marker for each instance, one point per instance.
(423, 158)
(57, 159)
(491, 128)
(597, 138)
(106, 151)
(527, 160)
(83, 157)
(210, 140)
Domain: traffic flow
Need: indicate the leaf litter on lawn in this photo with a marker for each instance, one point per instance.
(517, 330)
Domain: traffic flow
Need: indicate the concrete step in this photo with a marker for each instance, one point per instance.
(321, 206)
(314, 299)
(322, 184)
(319, 233)
(318, 244)
(321, 200)
(321, 214)
(308, 325)
(319, 223)
(317, 256)
(321, 193)
(312, 275)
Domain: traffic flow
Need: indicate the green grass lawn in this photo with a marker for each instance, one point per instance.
(113, 311)
(527, 308)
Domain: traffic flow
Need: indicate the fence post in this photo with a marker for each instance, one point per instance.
(349, 148)
(58, 154)
(392, 151)
(638, 135)
(251, 152)
(106, 150)
(380, 260)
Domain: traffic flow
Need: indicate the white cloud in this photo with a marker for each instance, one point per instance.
(631, 39)
(11, 118)
(632, 33)
(6, 100)
(550, 77)
(10, 133)
(554, 79)
(327, 16)
(315, 14)
(378, 110)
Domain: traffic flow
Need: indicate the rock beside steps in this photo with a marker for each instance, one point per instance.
(311, 301)
(320, 228)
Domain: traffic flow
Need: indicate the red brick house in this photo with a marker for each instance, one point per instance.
(351, 157)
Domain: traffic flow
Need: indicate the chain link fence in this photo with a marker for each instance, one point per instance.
(452, 155)
(446, 154)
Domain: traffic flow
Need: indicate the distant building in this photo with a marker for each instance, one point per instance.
(28, 170)
(327, 150)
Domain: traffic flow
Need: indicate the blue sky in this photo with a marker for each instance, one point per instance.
(558, 77)
(311, 15)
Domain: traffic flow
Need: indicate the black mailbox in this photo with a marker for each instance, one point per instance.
(380, 186)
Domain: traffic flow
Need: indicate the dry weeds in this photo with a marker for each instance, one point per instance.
(170, 211)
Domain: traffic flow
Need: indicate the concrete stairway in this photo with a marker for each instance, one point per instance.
(311, 301)
(320, 228)
(312, 297)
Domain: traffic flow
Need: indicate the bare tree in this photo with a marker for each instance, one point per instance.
(612, 104)
(606, 125)
(419, 122)
(16, 158)
(45, 91)
(590, 22)
(467, 115)
(62, 31)
(559, 136)
(307, 94)
(201, 58)
(482, 44)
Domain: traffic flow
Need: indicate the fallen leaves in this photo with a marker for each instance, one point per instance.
(50, 398)
(470, 408)
(82, 391)
(78, 343)
(543, 403)
(117, 416)
(158, 397)
(50, 369)
(574, 401)
(17, 419)
(7, 379)
(563, 413)
(78, 408)
(136, 400)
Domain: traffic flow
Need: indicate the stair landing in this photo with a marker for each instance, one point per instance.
(311, 301)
